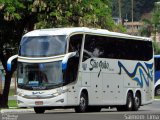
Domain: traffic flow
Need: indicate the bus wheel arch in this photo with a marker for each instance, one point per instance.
(137, 100)
(83, 102)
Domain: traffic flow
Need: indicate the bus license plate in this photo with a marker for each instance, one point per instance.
(38, 102)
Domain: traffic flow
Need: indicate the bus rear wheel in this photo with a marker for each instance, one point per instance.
(39, 110)
(83, 104)
(137, 102)
(129, 104)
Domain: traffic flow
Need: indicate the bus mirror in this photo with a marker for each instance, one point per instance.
(9, 62)
(65, 60)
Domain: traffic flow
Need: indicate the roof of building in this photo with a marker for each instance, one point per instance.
(134, 23)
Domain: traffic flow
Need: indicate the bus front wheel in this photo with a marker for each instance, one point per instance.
(83, 104)
(39, 110)
(157, 91)
(129, 104)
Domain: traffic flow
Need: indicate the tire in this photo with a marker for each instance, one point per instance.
(129, 103)
(137, 102)
(157, 91)
(39, 110)
(83, 104)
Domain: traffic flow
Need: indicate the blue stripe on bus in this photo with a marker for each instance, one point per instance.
(142, 72)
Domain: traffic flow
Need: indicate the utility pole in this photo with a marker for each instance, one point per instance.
(120, 15)
(132, 16)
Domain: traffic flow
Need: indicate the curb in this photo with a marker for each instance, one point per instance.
(156, 99)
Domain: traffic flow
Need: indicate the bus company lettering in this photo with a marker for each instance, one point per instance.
(98, 64)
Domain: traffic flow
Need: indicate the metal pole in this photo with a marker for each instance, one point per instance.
(120, 15)
(15, 83)
(132, 17)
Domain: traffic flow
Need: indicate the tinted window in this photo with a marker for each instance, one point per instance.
(157, 64)
(75, 43)
(116, 48)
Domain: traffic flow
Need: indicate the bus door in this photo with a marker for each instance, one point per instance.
(75, 43)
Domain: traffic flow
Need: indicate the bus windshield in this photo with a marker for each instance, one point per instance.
(40, 76)
(42, 46)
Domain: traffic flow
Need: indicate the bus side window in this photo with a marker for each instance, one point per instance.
(75, 43)
(94, 47)
(157, 64)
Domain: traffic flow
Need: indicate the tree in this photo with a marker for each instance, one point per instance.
(152, 26)
(95, 13)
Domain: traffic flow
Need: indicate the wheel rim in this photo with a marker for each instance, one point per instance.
(82, 103)
(129, 103)
(137, 101)
(158, 91)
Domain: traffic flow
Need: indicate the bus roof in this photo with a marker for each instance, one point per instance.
(68, 31)
(156, 56)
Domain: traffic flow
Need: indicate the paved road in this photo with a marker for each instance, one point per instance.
(148, 112)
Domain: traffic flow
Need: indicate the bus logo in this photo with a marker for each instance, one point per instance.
(101, 65)
(37, 93)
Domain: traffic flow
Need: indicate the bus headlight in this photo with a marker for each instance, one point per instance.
(19, 102)
(21, 94)
(55, 94)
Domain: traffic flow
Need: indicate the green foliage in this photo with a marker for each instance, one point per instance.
(156, 97)
(12, 103)
(12, 92)
(156, 20)
(147, 28)
(156, 48)
(12, 9)
(62, 13)
(95, 13)
(151, 25)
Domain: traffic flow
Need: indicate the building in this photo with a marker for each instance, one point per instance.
(133, 28)
(117, 20)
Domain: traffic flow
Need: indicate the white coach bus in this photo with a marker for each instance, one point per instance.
(82, 68)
